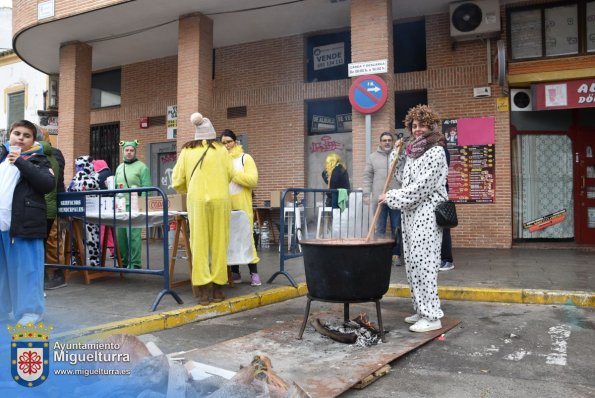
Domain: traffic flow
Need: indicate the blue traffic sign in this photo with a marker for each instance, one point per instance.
(368, 94)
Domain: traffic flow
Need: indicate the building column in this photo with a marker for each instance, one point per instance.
(74, 134)
(195, 72)
(372, 39)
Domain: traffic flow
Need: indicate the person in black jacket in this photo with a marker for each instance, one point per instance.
(339, 178)
(103, 172)
(26, 177)
(54, 278)
(447, 262)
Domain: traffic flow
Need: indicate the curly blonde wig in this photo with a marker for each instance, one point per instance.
(424, 115)
(331, 162)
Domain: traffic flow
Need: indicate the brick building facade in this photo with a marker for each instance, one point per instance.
(267, 77)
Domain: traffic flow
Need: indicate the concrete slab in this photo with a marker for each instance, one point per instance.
(322, 367)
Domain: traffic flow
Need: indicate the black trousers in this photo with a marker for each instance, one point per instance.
(446, 251)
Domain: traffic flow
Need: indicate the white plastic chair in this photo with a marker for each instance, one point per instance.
(291, 213)
(324, 213)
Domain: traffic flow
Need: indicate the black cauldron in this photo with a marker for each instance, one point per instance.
(347, 270)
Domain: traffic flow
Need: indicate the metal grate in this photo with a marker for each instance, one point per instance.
(237, 111)
(157, 120)
(105, 140)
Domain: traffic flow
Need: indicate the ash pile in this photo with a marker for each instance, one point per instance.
(360, 331)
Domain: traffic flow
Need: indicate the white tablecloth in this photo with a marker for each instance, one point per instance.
(240, 239)
(239, 250)
(138, 220)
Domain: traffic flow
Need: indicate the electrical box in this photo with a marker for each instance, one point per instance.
(480, 92)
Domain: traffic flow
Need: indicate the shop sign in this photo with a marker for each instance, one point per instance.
(71, 205)
(322, 124)
(329, 56)
(344, 123)
(368, 67)
(172, 122)
(565, 95)
(45, 9)
(472, 170)
(52, 126)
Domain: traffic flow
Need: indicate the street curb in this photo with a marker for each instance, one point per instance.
(504, 295)
(175, 318)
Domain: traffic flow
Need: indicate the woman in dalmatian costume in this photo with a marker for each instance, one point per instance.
(423, 177)
(86, 179)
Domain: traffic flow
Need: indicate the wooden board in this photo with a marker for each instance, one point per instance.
(322, 367)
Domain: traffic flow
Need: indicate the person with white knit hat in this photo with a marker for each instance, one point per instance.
(203, 171)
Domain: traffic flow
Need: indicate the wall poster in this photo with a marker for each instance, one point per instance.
(472, 170)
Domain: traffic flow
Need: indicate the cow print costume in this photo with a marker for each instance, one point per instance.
(424, 186)
(86, 179)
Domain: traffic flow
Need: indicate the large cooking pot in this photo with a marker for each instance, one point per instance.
(347, 269)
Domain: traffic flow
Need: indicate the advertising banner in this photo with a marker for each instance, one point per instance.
(472, 170)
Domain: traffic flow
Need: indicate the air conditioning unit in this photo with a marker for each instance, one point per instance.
(476, 19)
(521, 99)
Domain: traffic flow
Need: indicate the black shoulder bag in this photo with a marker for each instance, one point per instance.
(446, 213)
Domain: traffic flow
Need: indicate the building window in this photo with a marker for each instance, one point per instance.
(329, 116)
(106, 89)
(328, 56)
(105, 140)
(328, 131)
(409, 45)
(551, 31)
(405, 100)
(16, 107)
(590, 28)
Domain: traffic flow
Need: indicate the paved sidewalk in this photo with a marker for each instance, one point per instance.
(114, 303)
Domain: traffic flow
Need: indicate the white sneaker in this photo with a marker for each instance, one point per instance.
(424, 325)
(413, 318)
(29, 317)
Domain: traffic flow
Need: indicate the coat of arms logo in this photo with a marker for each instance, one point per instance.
(29, 353)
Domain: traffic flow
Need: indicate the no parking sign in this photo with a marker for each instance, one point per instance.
(368, 94)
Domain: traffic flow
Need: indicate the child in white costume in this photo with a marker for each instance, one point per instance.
(203, 171)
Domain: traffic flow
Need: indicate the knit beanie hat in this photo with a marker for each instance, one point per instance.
(204, 128)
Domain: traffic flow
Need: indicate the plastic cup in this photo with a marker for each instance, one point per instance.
(15, 149)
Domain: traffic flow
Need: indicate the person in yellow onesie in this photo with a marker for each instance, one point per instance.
(203, 171)
(240, 190)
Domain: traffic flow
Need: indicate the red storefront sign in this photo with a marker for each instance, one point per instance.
(565, 95)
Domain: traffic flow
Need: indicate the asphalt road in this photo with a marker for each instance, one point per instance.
(498, 350)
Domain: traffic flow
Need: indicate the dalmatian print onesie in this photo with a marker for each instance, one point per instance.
(422, 179)
(86, 179)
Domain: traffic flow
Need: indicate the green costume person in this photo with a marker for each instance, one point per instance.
(129, 174)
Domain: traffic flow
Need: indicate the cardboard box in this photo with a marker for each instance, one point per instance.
(276, 198)
(174, 202)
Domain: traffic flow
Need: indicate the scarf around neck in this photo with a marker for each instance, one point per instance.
(421, 144)
(35, 148)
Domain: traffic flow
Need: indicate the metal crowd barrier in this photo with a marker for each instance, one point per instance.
(307, 206)
(99, 208)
